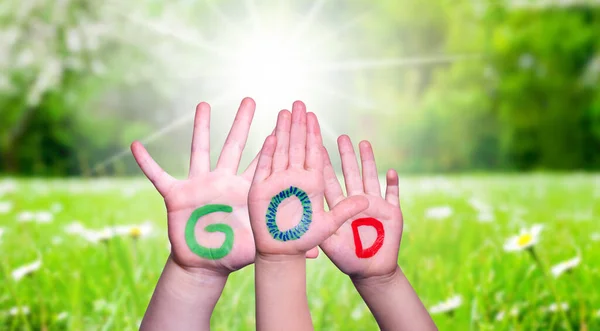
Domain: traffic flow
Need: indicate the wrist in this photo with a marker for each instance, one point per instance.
(278, 258)
(379, 281)
(190, 278)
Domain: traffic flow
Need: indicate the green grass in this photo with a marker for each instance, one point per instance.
(107, 286)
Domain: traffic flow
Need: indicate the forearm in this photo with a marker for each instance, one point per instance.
(281, 301)
(394, 303)
(183, 300)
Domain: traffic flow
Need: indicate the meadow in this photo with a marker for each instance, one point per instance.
(94, 249)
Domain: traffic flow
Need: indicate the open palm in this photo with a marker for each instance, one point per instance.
(207, 212)
(286, 198)
(368, 243)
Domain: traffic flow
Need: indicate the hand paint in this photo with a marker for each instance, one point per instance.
(190, 237)
(369, 252)
(300, 229)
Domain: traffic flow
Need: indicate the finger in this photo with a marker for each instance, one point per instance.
(392, 191)
(200, 155)
(350, 169)
(159, 178)
(333, 190)
(347, 209)
(231, 154)
(314, 142)
(298, 135)
(265, 160)
(369, 169)
(249, 172)
(313, 253)
(282, 131)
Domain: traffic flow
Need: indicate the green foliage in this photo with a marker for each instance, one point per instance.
(528, 101)
(508, 87)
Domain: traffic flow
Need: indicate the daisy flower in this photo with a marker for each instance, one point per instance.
(22, 310)
(74, 228)
(357, 313)
(526, 239)
(27, 269)
(564, 266)
(138, 231)
(513, 312)
(26, 216)
(62, 316)
(56, 207)
(439, 213)
(7, 186)
(105, 234)
(555, 307)
(446, 306)
(5, 207)
(44, 217)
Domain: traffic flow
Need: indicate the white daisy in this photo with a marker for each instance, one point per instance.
(105, 234)
(357, 313)
(5, 207)
(567, 265)
(102, 305)
(513, 312)
(22, 310)
(26, 216)
(485, 217)
(74, 228)
(44, 217)
(62, 316)
(56, 240)
(25, 270)
(500, 315)
(439, 213)
(7, 186)
(446, 306)
(526, 239)
(135, 231)
(555, 307)
(56, 207)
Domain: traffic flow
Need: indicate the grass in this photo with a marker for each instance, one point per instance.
(106, 286)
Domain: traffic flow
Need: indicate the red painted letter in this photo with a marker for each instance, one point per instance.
(360, 251)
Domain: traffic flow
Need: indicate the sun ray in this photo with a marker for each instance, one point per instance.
(253, 13)
(356, 65)
(214, 8)
(310, 16)
(179, 121)
(323, 89)
(185, 37)
(338, 32)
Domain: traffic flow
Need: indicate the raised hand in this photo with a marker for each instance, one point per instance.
(207, 212)
(286, 197)
(367, 244)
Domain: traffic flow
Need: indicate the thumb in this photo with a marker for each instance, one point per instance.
(347, 209)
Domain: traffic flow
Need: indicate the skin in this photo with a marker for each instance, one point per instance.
(291, 157)
(190, 285)
(378, 279)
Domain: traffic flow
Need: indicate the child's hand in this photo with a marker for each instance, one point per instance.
(208, 212)
(286, 197)
(367, 244)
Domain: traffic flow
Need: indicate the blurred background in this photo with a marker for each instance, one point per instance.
(490, 110)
